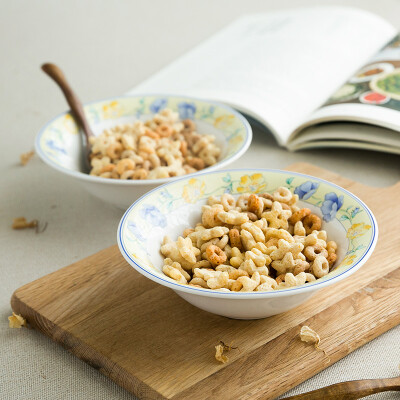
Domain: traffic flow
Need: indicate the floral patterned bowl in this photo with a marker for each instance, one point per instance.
(59, 144)
(169, 209)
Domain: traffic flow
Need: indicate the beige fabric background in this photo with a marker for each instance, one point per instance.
(106, 47)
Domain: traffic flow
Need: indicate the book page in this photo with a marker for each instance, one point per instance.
(276, 67)
(371, 95)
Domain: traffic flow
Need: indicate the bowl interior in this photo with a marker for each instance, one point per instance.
(59, 142)
(169, 209)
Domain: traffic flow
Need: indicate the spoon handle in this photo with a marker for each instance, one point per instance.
(76, 106)
(350, 390)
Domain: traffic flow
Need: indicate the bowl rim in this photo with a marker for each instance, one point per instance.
(96, 179)
(252, 295)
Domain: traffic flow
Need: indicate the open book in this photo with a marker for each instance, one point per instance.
(294, 71)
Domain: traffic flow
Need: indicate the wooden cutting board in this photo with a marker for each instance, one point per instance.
(157, 346)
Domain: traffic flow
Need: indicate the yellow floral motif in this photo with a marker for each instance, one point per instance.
(254, 184)
(70, 124)
(223, 121)
(193, 190)
(357, 230)
(236, 140)
(349, 259)
(112, 110)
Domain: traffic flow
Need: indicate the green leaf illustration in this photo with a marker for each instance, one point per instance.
(289, 180)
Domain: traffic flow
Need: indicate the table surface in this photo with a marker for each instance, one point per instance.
(106, 48)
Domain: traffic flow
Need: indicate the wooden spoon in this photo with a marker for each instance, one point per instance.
(76, 107)
(351, 390)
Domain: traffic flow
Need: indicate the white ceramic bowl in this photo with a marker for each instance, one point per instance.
(59, 143)
(169, 209)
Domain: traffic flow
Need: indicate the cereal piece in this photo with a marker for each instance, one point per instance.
(16, 321)
(228, 201)
(286, 247)
(170, 249)
(247, 239)
(236, 286)
(331, 247)
(201, 264)
(174, 273)
(242, 201)
(216, 279)
(289, 264)
(299, 229)
(215, 232)
(251, 268)
(300, 266)
(221, 243)
(279, 234)
(195, 162)
(232, 272)
(267, 196)
(22, 223)
(215, 255)
(209, 216)
(283, 195)
(322, 235)
(312, 223)
(255, 231)
(114, 150)
(277, 217)
(311, 252)
(25, 157)
(124, 165)
(308, 335)
(300, 279)
(252, 217)
(259, 258)
(234, 238)
(232, 217)
(178, 266)
(199, 282)
(266, 284)
(187, 232)
(140, 173)
(219, 350)
(249, 284)
(237, 257)
(186, 249)
(320, 267)
(255, 205)
(299, 215)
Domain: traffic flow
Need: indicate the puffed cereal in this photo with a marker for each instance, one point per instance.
(279, 246)
(162, 147)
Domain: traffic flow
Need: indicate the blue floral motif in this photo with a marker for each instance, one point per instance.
(186, 110)
(153, 215)
(158, 105)
(52, 144)
(331, 205)
(133, 228)
(306, 189)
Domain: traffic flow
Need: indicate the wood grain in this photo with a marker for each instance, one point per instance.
(157, 346)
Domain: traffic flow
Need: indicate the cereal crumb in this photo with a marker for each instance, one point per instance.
(16, 321)
(25, 157)
(308, 335)
(219, 356)
(22, 223)
(219, 352)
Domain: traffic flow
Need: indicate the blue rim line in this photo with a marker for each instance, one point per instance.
(197, 290)
(81, 175)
